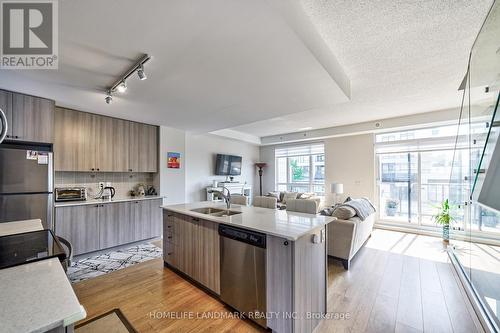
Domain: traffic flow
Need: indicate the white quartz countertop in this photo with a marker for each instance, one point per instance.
(100, 201)
(37, 297)
(281, 223)
(19, 227)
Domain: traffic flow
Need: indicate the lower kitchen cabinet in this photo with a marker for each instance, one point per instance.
(156, 217)
(115, 224)
(80, 226)
(95, 227)
(191, 245)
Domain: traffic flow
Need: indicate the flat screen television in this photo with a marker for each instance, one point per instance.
(227, 165)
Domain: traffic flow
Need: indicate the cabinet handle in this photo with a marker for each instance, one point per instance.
(130, 170)
(97, 169)
(17, 137)
(169, 226)
(92, 169)
(169, 237)
(285, 243)
(97, 206)
(169, 254)
(195, 219)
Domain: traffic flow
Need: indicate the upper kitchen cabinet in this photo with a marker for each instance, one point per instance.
(105, 146)
(121, 145)
(143, 148)
(74, 141)
(30, 118)
(88, 142)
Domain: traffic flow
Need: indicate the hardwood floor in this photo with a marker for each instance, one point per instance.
(397, 283)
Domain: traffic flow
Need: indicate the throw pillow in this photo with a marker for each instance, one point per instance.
(275, 194)
(344, 212)
(288, 196)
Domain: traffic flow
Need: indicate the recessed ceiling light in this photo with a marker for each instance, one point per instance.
(122, 87)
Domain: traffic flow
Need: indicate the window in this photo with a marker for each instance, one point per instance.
(415, 174)
(301, 168)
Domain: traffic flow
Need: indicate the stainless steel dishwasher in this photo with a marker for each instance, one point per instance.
(243, 271)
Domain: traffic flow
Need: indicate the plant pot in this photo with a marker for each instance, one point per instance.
(446, 233)
(391, 211)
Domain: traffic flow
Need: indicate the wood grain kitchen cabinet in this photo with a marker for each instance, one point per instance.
(80, 226)
(121, 146)
(32, 119)
(6, 106)
(109, 225)
(74, 141)
(143, 148)
(105, 145)
(141, 219)
(88, 142)
(207, 258)
(156, 217)
(115, 224)
(192, 246)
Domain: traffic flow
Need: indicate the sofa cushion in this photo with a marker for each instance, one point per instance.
(288, 196)
(275, 194)
(344, 212)
(306, 195)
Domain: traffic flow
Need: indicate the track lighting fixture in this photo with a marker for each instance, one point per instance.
(122, 87)
(108, 98)
(121, 84)
(141, 74)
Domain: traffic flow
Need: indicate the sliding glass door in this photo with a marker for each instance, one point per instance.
(412, 185)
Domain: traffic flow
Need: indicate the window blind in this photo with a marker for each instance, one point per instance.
(416, 145)
(307, 149)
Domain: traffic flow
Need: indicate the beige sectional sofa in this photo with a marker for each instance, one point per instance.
(284, 197)
(346, 237)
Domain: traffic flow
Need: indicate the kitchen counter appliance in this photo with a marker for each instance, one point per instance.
(26, 183)
(70, 194)
(243, 270)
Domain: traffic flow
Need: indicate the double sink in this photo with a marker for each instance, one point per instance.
(215, 211)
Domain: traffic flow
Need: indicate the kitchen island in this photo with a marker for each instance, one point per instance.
(294, 264)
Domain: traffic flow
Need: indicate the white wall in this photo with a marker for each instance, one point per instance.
(350, 160)
(172, 181)
(201, 150)
(268, 174)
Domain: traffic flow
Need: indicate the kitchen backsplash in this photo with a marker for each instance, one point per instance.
(122, 182)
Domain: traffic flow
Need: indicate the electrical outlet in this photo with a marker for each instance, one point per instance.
(101, 185)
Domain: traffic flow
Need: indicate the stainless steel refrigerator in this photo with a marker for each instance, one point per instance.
(26, 183)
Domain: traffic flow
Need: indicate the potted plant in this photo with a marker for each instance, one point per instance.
(391, 207)
(444, 218)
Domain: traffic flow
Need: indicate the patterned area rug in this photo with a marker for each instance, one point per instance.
(109, 262)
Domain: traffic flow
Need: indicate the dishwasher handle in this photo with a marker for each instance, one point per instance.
(250, 237)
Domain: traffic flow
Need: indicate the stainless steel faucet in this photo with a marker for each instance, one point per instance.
(227, 198)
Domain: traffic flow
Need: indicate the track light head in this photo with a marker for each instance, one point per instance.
(108, 98)
(141, 73)
(122, 87)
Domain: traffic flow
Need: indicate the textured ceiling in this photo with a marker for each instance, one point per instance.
(216, 64)
(402, 57)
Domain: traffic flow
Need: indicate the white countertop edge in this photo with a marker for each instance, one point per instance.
(227, 221)
(76, 317)
(100, 201)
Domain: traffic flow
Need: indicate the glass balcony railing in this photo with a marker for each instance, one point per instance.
(479, 199)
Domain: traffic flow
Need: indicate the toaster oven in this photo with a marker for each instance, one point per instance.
(70, 193)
